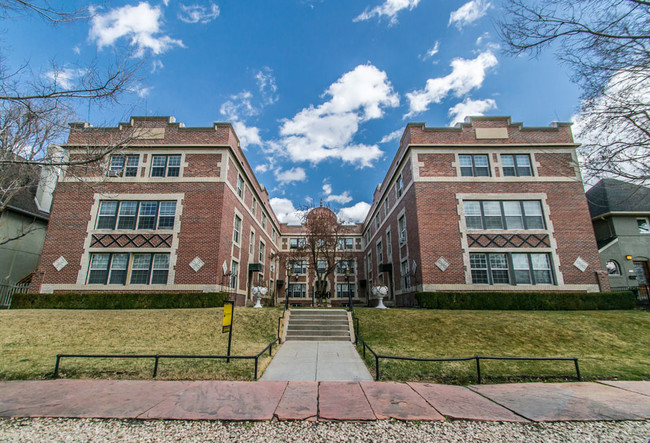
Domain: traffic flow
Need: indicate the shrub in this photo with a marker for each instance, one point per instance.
(527, 301)
(161, 300)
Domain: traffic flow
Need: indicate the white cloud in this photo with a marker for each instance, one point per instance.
(239, 105)
(248, 135)
(465, 76)
(143, 91)
(469, 13)
(141, 24)
(156, 65)
(469, 107)
(431, 52)
(389, 8)
(340, 199)
(76, 50)
(327, 189)
(354, 214)
(326, 131)
(262, 168)
(64, 78)
(285, 211)
(266, 85)
(290, 175)
(198, 13)
(395, 135)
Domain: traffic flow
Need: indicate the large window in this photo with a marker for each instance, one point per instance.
(298, 267)
(643, 225)
(401, 225)
(342, 264)
(406, 277)
(511, 268)
(516, 165)
(234, 274)
(129, 214)
(165, 165)
(297, 290)
(494, 214)
(476, 165)
(236, 234)
(398, 186)
(345, 243)
(345, 290)
(262, 251)
(240, 186)
(124, 166)
(112, 268)
(389, 247)
(296, 243)
(321, 265)
(380, 253)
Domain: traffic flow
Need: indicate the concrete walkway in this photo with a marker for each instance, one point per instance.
(227, 400)
(317, 361)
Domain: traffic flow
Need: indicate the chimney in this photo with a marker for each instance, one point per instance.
(49, 177)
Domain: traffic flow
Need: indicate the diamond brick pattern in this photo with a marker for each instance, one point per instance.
(132, 240)
(508, 240)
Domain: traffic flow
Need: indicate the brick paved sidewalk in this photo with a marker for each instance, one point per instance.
(229, 400)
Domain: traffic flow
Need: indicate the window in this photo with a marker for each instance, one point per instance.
(369, 265)
(251, 245)
(296, 243)
(263, 221)
(476, 165)
(124, 166)
(401, 225)
(404, 269)
(130, 214)
(644, 226)
(262, 251)
(298, 267)
(380, 253)
(527, 269)
(516, 165)
(274, 235)
(234, 274)
(386, 208)
(254, 207)
(613, 268)
(240, 186)
(236, 230)
(389, 247)
(322, 265)
(113, 268)
(345, 243)
(495, 214)
(345, 290)
(342, 264)
(165, 165)
(398, 186)
(377, 222)
(297, 290)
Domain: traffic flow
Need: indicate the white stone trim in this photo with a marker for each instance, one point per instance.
(508, 288)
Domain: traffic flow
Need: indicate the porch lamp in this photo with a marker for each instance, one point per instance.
(347, 281)
(286, 293)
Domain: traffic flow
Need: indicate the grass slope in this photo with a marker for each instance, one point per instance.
(609, 345)
(30, 340)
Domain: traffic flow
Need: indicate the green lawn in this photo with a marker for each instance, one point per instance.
(609, 344)
(30, 340)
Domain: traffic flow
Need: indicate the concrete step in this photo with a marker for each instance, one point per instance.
(319, 338)
(317, 332)
(324, 313)
(294, 327)
(301, 321)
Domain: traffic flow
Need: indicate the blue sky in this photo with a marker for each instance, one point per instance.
(319, 91)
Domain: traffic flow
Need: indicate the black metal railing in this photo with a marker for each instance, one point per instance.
(476, 358)
(641, 293)
(158, 357)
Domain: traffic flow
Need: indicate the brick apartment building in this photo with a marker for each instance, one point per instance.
(485, 205)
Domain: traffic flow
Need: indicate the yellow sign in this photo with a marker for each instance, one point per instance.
(227, 317)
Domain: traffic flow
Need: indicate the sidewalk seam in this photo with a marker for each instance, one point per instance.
(503, 406)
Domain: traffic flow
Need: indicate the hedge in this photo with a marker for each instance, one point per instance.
(163, 300)
(527, 301)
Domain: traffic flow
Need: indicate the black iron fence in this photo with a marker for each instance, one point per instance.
(641, 292)
(7, 292)
(158, 357)
(476, 358)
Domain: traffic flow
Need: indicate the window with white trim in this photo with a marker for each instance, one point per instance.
(129, 214)
(398, 186)
(262, 253)
(380, 253)
(165, 165)
(263, 221)
(298, 267)
(321, 265)
(345, 290)
(251, 245)
(643, 225)
(345, 243)
(508, 214)
(124, 166)
(342, 264)
(240, 186)
(511, 268)
(296, 242)
(404, 271)
(297, 290)
(516, 165)
(474, 165)
(234, 274)
(254, 207)
(369, 265)
(236, 235)
(389, 247)
(401, 225)
(113, 269)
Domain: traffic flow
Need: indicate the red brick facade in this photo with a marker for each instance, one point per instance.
(417, 223)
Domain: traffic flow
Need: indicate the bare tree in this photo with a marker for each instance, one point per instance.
(606, 44)
(322, 248)
(36, 107)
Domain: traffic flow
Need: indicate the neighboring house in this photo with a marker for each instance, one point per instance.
(620, 213)
(485, 205)
(23, 225)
